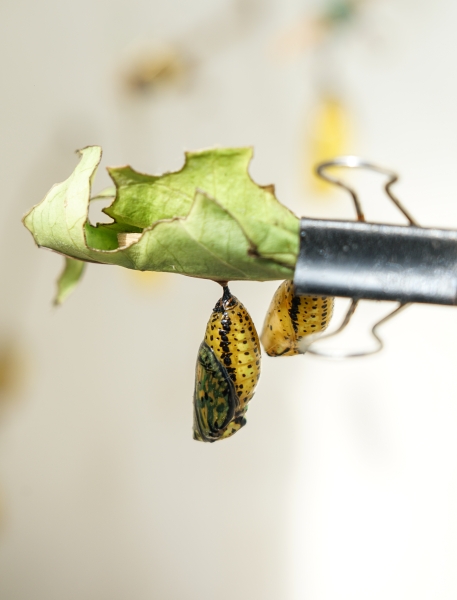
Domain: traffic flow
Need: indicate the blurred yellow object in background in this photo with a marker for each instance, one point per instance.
(149, 67)
(12, 370)
(147, 281)
(328, 136)
(12, 379)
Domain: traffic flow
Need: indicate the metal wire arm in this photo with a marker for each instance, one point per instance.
(361, 260)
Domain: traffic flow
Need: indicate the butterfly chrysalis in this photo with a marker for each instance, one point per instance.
(228, 368)
(290, 318)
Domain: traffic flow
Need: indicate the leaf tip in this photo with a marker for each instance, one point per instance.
(68, 279)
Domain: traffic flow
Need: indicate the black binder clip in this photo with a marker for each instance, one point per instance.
(361, 260)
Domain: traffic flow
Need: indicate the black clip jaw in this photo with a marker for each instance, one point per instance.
(360, 260)
(372, 261)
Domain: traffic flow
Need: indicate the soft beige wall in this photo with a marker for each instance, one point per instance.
(344, 483)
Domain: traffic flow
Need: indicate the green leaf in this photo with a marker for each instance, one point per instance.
(68, 279)
(207, 220)
(207, 243)
(221, 173)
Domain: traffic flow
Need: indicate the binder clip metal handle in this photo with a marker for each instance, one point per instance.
(377, 262)
(360, 260)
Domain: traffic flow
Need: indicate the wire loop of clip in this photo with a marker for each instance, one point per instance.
(361, 260)
(309, 342)
(355, 162)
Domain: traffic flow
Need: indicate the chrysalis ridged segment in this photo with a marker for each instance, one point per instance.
(290, 318)
(228, 368)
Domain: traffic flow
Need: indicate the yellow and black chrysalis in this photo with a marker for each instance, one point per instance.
(228, 368)
(290, 318)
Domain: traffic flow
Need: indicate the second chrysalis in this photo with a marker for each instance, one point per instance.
(290, 318)
(228, 368)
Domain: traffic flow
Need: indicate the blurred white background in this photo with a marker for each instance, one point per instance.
(343, 485)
